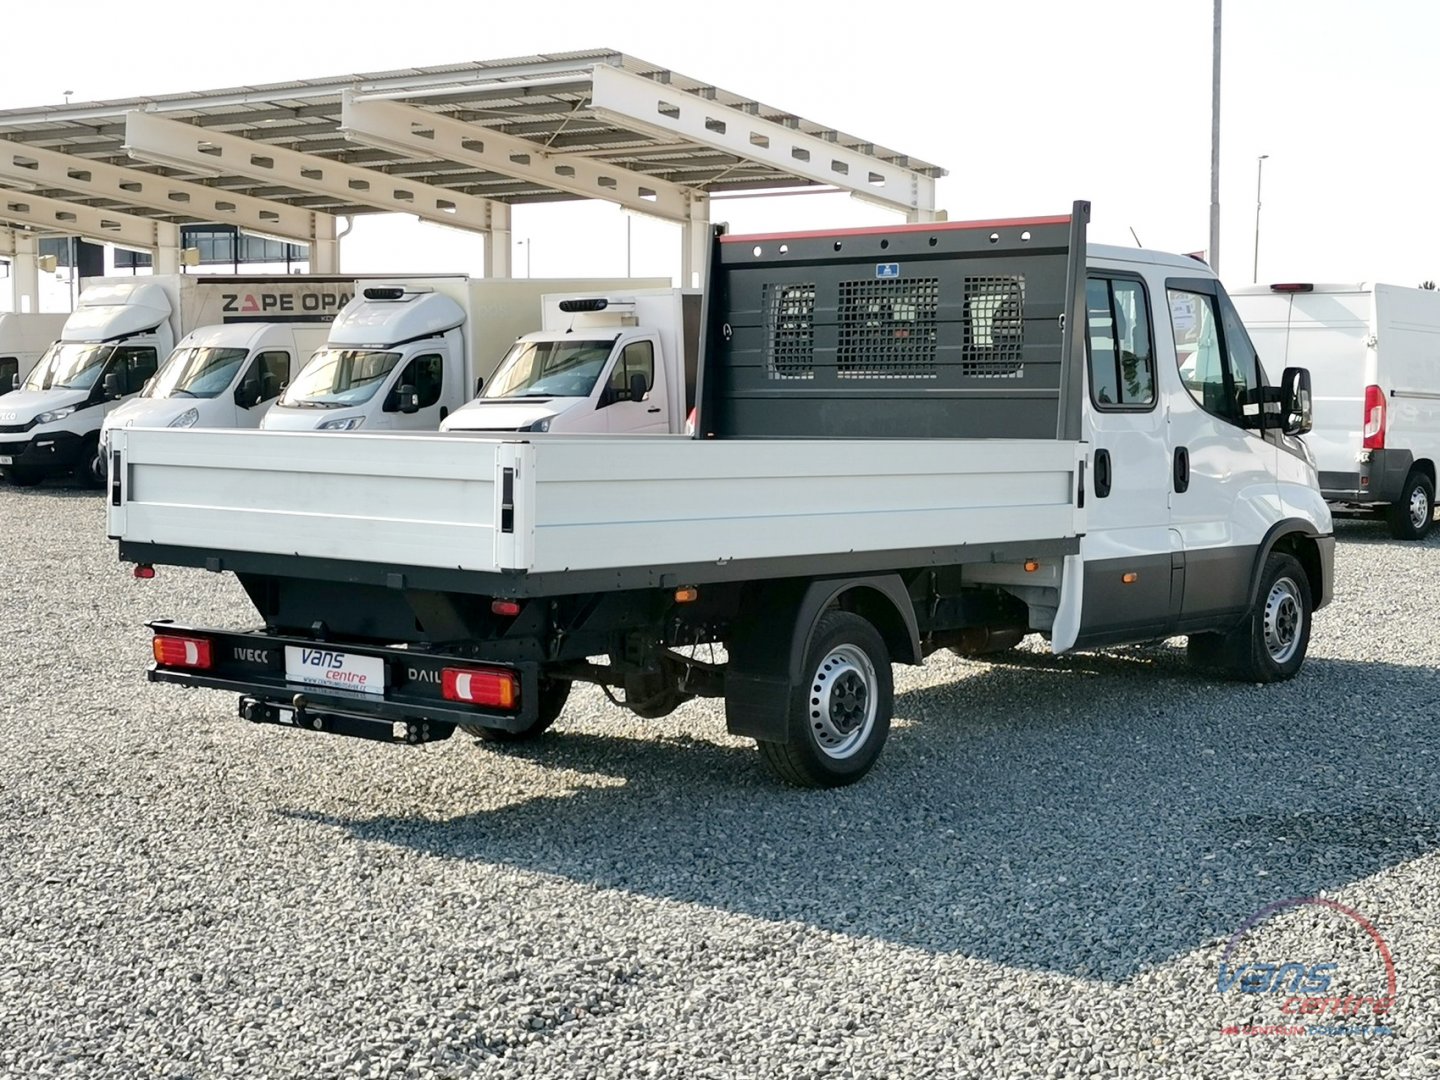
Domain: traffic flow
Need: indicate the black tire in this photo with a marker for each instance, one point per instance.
(1271, 643)
(1412, 515)
(840, 716)
(93, 472)
(24, 477)
(553, 694)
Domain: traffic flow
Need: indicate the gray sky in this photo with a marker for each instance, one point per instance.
(1029, 103)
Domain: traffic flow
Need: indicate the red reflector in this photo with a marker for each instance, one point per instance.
(1293, 286)
(191, 652)
(480, 686)
(1374, 420)
(504, 607)
(146, 572)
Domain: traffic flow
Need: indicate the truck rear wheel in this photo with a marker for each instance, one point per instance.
(1270, 645)
(1412, 515)
(553, 694)
(92, 470)
(840, 716)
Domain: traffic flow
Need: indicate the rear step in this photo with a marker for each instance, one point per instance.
(297, 715)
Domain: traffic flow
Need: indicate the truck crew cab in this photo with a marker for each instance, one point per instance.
(907, 439)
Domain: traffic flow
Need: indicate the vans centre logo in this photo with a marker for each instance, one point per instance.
(1323, 969)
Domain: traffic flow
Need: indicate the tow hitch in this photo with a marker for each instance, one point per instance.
(299, 714)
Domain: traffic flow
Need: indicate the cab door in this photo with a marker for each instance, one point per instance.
(1223, 490)
(622, 412)
(268, 372)
(1128, 548)
(426, 374)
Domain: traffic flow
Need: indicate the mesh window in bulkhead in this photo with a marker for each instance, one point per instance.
(888, 328)
(994, 327)
(789, 312)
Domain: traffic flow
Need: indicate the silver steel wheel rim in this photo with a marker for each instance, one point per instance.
(1284, 620)
(842, 702)
(1419, 508)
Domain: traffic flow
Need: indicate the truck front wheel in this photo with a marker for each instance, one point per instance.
(553, 694)
(1270, 645)
(840, 715)
(1412, 515)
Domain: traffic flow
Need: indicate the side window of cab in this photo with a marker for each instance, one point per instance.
(1121, 346)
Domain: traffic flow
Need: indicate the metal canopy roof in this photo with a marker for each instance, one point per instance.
(549, 101)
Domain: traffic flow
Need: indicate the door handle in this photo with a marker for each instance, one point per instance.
(655, 409)
(1102, 473)
(1182, 469)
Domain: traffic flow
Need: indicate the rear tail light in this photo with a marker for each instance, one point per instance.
(481, 686)
(1374, 418)
(186, 652)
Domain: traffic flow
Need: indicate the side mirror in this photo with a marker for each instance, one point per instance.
(637, 387)
(114, 386)
(479, 386)
(247, 394)
(409, 400)
(1296, 408)
(15, 382)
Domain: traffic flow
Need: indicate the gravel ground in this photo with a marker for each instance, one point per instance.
(1038, 879)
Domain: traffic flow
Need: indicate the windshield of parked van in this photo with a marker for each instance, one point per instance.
(337, 377)
(197, 373)
(73, 366)
(549, 369)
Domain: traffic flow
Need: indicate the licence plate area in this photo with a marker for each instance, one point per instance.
(322, 666)
(6, 459)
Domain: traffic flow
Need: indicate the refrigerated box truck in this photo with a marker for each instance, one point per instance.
(112, 343)
(405, 354)
(24, 337)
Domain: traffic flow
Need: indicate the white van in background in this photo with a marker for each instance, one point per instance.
(221, 377)
(622, 363)
(1374, 357)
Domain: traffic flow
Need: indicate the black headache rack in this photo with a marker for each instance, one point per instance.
(252, 664)
(946, 330)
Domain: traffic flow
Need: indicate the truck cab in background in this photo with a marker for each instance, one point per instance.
(110, 345)
(406, 353)
(24, 337)
(620, 363)
(1374, 355)
(220, 377)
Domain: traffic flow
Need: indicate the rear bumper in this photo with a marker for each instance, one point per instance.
(253, 665)
(1378, 480)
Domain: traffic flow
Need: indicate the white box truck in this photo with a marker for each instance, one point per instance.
(222, 376)
(113, 342)
(24, 337)
(1374, 357)
(622, 362)
(909, 438)
(406, 353)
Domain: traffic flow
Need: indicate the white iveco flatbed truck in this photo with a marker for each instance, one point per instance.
(907, 439)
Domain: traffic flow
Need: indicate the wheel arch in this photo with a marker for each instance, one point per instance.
(1311, 549)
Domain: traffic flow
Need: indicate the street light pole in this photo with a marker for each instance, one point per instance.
(1259, 173)
(1215, 146)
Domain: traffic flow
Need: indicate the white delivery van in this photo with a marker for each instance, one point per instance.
(222, 376)
(407, 352)
(618, 363)
(24, 337)
(1374, 357)
(113, 342)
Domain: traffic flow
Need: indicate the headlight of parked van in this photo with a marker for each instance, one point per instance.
(54, 414)
(188, 418)
(341, 423)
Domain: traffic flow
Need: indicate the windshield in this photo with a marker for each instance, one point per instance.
(75, 366)
(198, 373)
(336, 377)
(549, 369)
